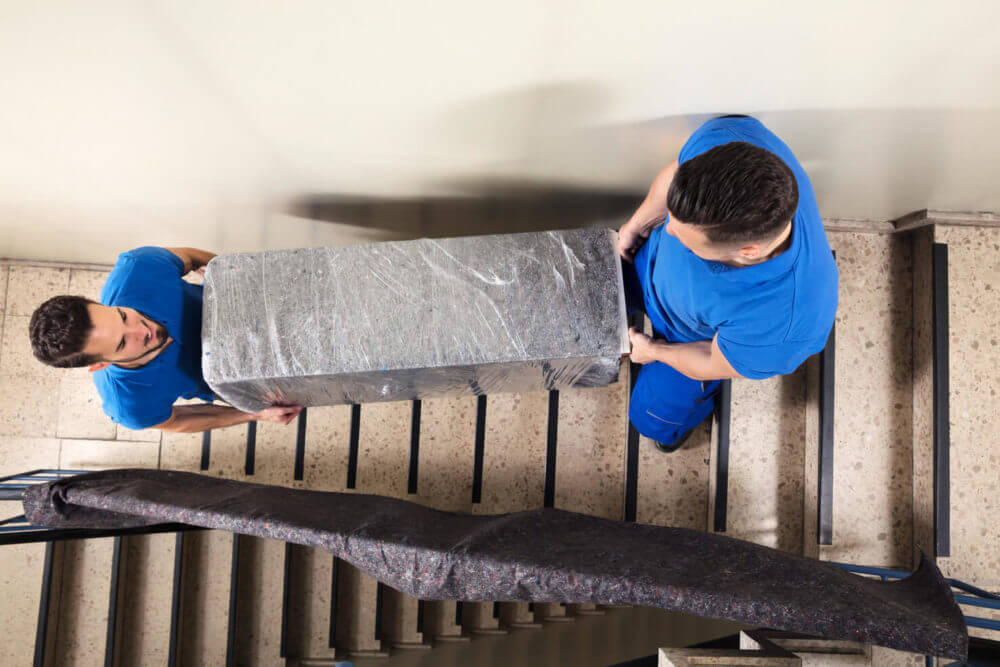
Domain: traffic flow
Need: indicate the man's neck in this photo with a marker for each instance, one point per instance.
(776, 247)
(145, 359)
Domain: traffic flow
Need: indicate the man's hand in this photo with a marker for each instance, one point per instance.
(644, 348)
(650, 213)
(631, 236)
(279, 414)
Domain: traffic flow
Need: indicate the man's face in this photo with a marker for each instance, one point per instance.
(123, 335)
(695, 240)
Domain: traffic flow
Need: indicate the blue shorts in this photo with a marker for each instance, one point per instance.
(665, 403)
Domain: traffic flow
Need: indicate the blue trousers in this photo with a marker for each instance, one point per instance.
(665, 403)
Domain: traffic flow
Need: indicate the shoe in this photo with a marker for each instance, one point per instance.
(676, 444)
(668, 448)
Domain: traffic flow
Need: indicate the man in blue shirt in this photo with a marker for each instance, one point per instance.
(739, 282)
(142, 342)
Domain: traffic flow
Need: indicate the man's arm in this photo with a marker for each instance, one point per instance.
(197, 418)
(193, 258)
(650, 213)
(701, 360)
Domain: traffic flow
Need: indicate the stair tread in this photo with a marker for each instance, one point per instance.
(590, 475)
(766, 461)
(872, 476)
(974, 349)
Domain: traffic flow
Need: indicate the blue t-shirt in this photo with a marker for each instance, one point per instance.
(149, 280)
(770, 316)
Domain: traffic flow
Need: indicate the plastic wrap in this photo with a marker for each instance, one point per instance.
(543, 555)
(414, 319)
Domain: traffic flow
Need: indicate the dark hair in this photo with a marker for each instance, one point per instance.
(59, 329)
(735, 192)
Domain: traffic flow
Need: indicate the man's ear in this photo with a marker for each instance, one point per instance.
(99, 366)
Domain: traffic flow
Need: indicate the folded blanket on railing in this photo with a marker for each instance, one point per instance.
(543, 555)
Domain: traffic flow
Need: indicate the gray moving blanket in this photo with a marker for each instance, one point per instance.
(543, 555)
(414, 319)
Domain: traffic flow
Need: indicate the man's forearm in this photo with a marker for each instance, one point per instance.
(197, 418)
(648, 216)
(193, 258)
(691, 359)
(653, 209)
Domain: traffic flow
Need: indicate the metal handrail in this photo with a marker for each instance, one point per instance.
(17, 529)
(978, 597)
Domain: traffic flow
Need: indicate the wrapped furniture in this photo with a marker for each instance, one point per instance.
(414, 319)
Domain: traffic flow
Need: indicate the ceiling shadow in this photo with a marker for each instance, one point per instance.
(496, 209)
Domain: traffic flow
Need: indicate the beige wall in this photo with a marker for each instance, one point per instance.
(125, 122)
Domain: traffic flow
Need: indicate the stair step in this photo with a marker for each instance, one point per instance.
(81, 625)
(517, 615)
(673, 489)
(21, 571)
(439, 621)
(514, 461)
(308, 632)
(887, 657)
(446, 447)
(260, 587)
(872, 480)
(514, 471)
(145, 608)
(587, 609)
(973, 314)
(400, 618)
(766, 461)
(205, 622)
(324, 459)
(590, 475)
(204, 617)
(384, 464)
(444, 481)
(551, 612)
(22, 565)
(477, 618)
(356, 613)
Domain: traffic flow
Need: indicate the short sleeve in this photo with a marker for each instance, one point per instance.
(758, 362)
(133, 407)
(139, 415)
(156, 259)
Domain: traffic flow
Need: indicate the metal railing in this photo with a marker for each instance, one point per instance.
(969, 595)
(17, 530)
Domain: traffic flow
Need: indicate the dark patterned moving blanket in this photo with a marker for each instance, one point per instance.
(544, 555)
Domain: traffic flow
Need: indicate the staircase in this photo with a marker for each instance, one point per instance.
(835, 461)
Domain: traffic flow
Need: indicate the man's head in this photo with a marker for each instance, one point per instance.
(71, 331)
(732, 203)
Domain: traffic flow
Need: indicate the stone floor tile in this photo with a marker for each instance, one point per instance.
(30, 406)
(16, 357)
(29, 286)
(87, 283)
(80, 412)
